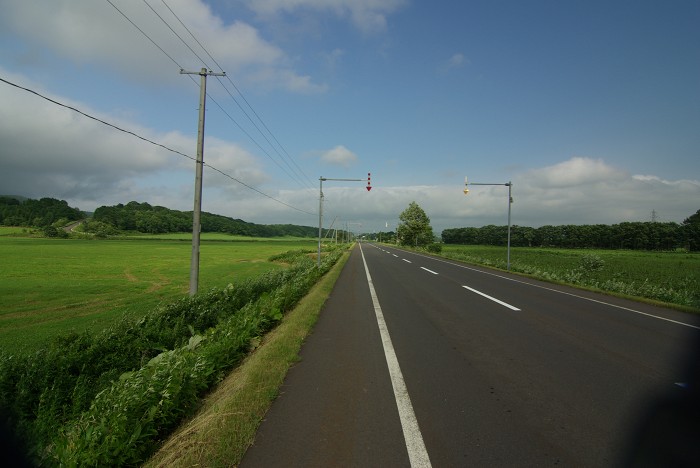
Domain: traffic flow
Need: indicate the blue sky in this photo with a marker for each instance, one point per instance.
(591, 109)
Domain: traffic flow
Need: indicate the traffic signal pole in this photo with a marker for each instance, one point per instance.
(320, 207)
(510, 202)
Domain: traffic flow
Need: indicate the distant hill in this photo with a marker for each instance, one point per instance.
(16, 210)
(22, 211)
(19, 198)
(143, 217)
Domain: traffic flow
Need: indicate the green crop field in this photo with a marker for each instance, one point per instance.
(52, 286)
(672, 277)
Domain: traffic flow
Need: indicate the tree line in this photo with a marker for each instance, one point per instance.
(627, 235)
(143, 217)
(36, 213)
(134, 216)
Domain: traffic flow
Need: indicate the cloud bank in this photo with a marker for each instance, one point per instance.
(49, 151)
(369, 16)
(85, 31)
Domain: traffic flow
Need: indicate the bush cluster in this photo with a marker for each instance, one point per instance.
(103, 399)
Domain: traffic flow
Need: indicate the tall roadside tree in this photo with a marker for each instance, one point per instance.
(414, 228)
(691, 231)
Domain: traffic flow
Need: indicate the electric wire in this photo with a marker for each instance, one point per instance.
(300, 171)
(231, 95)
(195, 82)
(174, 32)
(208, 96)
(151, 40)
(142, 32)
(116, 127)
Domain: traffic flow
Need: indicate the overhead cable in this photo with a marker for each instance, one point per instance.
(53, 101)
(298, 169)
(195, 82)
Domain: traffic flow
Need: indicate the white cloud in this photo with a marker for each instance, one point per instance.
(339, 156)
(589, 191)
(67, 156)
(574, 172)
(369, 16)
(594, 193)
(457, 60)
(52, 151)
(88, 32)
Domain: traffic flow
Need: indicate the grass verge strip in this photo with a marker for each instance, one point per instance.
(221, 432)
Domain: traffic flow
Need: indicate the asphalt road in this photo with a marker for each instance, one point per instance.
(498, 371)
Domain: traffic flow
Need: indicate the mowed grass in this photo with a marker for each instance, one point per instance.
(53, 286)
(14, 231)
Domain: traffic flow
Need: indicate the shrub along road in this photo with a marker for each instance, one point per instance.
(499, 370)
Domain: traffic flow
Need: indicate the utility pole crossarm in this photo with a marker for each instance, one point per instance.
(203, 71)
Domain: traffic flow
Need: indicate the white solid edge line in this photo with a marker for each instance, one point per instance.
(429, 271)
(417, 453)
(505, 304)
(563, 292)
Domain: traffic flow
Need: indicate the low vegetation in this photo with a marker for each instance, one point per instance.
(53, 286)
(669, 277)
(105, 398)
(225, 426)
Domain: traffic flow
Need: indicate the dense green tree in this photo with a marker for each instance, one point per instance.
(36, 213)
(691, 231)
(144, 217)
(627, 235)
(414, 228)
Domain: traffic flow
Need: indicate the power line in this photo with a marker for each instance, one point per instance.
(253, 139)
(95, 118)
(174, 32)
(240, 94)
(149, 38)
(191, 78)
(210, 97)
(142, 32)
(53, 101)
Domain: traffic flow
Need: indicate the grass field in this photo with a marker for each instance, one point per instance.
(637, 273)
(51, 286)
(14, 231)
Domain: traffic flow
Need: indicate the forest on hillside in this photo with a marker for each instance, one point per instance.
(36, 213)
(627, 235)
(134, 216)
(143, 217)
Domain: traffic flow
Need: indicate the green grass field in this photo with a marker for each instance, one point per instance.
(14, 231)
(52, 286)
(653, 273)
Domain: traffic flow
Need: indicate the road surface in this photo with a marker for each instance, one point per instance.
(418, 361)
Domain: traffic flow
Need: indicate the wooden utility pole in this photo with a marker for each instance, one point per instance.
(197, 212)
